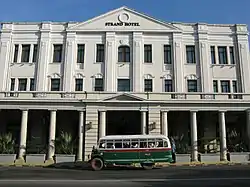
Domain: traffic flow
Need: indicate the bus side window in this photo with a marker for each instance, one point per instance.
(159, 143)
(143, 143)
(118, 144)
(102, 144)
(110, 144)
(126, 143)
(165, 143)
(134, 143)
(151, 143)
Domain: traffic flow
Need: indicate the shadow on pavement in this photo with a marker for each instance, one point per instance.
(87, 166)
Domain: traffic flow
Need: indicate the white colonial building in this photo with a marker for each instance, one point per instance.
(124, 73)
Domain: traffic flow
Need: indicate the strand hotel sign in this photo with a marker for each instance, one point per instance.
(123, 20)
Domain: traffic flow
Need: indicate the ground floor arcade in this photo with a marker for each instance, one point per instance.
(37, 131)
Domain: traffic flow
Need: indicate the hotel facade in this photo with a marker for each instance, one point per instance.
(125, 72)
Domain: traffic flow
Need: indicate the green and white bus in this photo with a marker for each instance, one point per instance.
(130, 149)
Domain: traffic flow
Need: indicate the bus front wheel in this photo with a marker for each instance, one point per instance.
(97, 164)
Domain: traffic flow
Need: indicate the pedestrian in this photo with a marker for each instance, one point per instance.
(173, 146)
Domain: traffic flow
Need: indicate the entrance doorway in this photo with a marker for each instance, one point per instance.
(123, 122)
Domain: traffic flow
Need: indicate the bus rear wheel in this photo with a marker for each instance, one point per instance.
(97, 164)
(147, 166)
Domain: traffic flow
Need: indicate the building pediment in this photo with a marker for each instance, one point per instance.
(123, 97)
(123, 19)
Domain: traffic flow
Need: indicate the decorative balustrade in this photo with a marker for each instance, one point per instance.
(99, 96)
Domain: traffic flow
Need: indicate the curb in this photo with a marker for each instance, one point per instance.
(79, 166)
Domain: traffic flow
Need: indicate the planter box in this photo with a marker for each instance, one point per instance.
(240, 157)
(182, 158)
(211, 157)
(65, 158)
(35, 158)
(7, 158)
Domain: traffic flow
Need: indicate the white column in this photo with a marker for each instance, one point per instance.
(52, 135)
(194, 139)
(69, 62)
(80, 136)
(164, 122)
(137, 61)
(143, 122)
(110, 62)
(23, 134)
(223, 136)
(44, 57)
(102, 126)
(248, 128)
(178, 63)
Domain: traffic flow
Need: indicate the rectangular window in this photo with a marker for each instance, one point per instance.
(16, 52)
(99, 84)
(192, 85)
(79, 85)
(100, 53)
(25, 53)
(123, 85)
(148, 53)
(124, 54)
(22, 84)
(148, 85)
(222, 55)
(80, 53)
(225, 86)
(12, 84)
(55, 84)
(190, 52)
(57, 57)
(167, 54)
(215, 85)
(168, 85)
(232, 59)
(234, 85)
(32, 84)
(35, 53)
(213, 59)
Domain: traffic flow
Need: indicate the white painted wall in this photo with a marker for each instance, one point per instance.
(150, 31)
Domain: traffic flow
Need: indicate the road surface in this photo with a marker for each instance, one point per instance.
(172, 177)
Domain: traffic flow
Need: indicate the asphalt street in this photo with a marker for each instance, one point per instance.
(172, 177)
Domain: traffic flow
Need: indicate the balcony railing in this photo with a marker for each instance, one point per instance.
(147, 96)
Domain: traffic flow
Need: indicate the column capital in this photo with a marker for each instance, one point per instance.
(81, 110)
(143, 110)
(222, 111)
(247, 110)
(165, 110)
(52, 110)
(193, 110)
(24, 109)
(102, 110)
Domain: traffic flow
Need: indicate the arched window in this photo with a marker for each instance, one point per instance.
(124, 54)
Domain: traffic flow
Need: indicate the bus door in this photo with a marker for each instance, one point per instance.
(145, 151)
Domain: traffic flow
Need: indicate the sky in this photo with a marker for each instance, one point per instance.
(209, 11)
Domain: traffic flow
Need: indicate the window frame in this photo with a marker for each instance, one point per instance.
(128, 82)
(98, 88)
(58, 85)
(192, 81)
(124, 54)
(22, 87)
(148, 53)
(190, 52)
(148, 85)
(99, 56)
(60, 53)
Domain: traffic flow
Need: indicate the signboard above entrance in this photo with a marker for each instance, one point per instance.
(123, 20)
